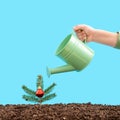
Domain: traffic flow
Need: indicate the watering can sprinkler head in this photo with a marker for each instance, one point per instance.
(75, 53)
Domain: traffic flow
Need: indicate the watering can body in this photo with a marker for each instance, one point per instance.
(75, 53)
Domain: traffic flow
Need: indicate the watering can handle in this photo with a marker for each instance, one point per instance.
(84, 41)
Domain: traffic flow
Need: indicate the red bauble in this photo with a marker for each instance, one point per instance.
(39, 93)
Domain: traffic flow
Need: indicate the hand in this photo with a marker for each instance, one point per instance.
(84, 32)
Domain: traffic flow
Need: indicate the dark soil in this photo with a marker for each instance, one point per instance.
(71, 111)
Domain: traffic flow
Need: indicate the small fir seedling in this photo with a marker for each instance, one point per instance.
(40, 95)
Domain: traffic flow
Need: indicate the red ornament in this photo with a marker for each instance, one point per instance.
(39, 93)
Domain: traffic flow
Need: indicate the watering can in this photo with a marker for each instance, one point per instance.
(75, 53)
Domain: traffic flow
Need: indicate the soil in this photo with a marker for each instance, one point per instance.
(72, 111)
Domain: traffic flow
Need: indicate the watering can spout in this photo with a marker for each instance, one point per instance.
(60, 69)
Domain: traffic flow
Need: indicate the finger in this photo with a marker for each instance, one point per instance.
(81, 37)
(79, 27)
(85, 36)
(79, 30)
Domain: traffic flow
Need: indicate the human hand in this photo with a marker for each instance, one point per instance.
(84, 32)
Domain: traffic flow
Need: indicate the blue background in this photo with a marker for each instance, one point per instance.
(30, 32)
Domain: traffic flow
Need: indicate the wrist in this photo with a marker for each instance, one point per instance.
(94, 35)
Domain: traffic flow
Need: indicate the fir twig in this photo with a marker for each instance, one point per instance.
(30, 98)
(49, 89)
(48, 97)
(28, 90)
(39, 82)
(33, 97)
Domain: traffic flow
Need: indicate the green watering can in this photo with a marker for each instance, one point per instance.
(75, 53)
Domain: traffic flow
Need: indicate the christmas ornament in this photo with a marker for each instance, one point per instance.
(39, 92)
